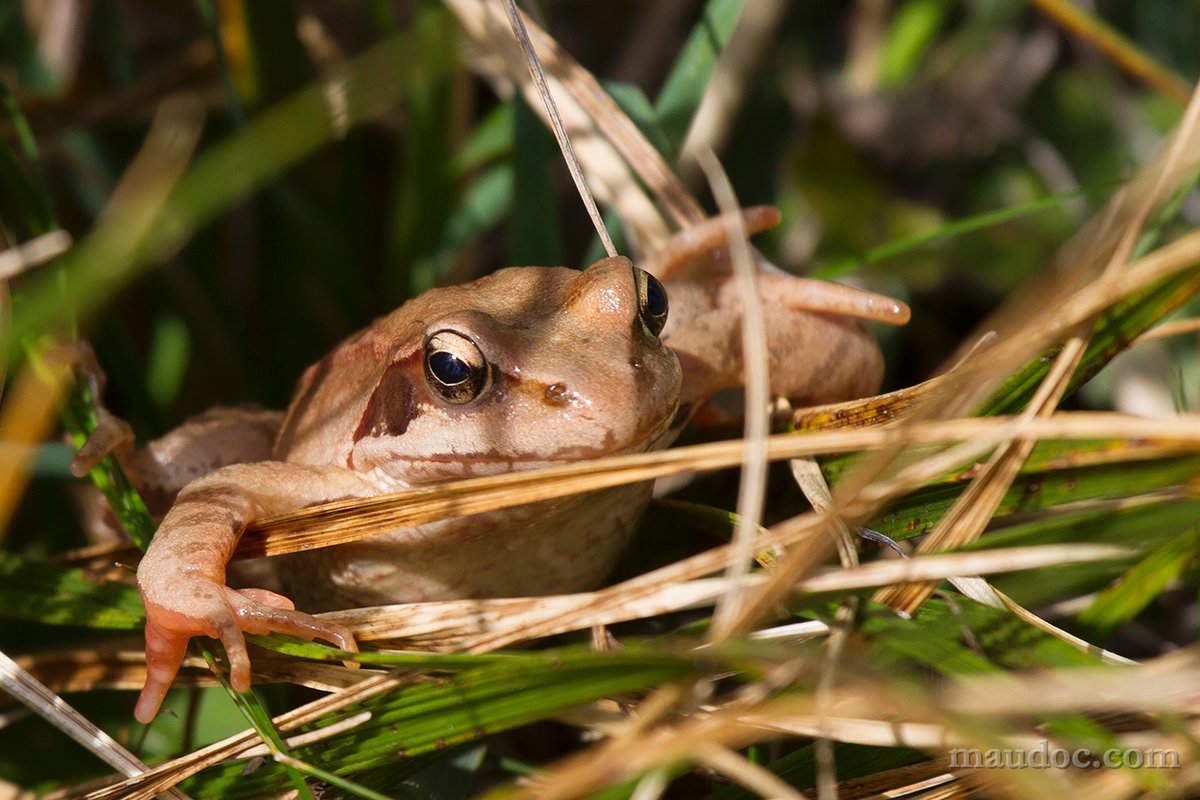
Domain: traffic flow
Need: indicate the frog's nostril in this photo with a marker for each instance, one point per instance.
(557, 394)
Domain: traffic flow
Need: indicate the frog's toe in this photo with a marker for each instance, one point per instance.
(268, 598)
(262, 611)
(111, 436)
(230, 634)
(164, 654)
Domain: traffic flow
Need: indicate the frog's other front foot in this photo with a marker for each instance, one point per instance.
(194, 606)
(112, 436)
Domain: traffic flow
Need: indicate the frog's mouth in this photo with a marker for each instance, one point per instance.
(394, 459)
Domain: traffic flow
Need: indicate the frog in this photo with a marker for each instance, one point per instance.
(524, 368)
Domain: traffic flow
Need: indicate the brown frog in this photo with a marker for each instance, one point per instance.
(526, 367)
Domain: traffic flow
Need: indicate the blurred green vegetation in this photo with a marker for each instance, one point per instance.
(940, 152)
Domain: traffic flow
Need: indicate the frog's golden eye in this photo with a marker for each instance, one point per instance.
(652, 302)
(455, 367)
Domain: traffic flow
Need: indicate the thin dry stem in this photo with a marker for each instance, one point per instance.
(488, 624)
(21, 258)
(20, 684)
(758, 779)
(1116, 47)
(727, 88)
(556, 125)
(1179, 327)
(752, 488)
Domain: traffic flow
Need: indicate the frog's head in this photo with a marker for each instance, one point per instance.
(525, 367)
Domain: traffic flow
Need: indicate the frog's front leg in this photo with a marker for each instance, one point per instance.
(182, 576)
(202, 444)
(818, 350)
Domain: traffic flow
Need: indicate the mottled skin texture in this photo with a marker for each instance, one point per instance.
(571, 371)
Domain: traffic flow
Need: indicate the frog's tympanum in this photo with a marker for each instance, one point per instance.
(524, 368)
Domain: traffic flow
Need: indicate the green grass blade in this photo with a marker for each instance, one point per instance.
(689, 76)
(533, 233)
(35, 591)
(950, 230)
(1117, 328)
(23, 198)
(432, 717)
(1134, 590)
(1039, 491)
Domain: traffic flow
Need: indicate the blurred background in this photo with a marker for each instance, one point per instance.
(867, 123)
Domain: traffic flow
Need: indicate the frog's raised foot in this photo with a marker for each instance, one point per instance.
(817, 349)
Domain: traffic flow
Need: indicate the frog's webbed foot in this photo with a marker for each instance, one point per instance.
(221, 613)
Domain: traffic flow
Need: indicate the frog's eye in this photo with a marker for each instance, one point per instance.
(652, 302)
(455, 367)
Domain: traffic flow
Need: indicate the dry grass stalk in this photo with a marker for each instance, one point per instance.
(162, 776)
(752, 488)
(487, 624)
(807, 474)
(1033, 620)
(492, 51)
(52, 707)
(736, 766)
(1177, 327)
(1170, 683)
(556, 124)
(37, 251)
(927, 780)
(346, 521)
(116, 664)
(1112, 45)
